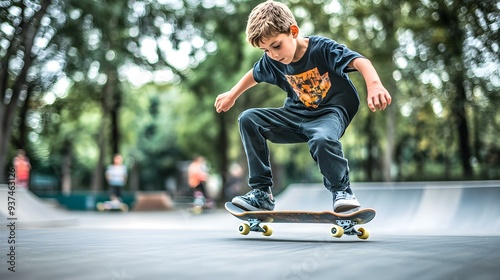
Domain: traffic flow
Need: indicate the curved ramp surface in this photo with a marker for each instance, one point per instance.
(470, 208)
(31, 211)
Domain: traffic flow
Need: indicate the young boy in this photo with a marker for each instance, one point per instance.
(321, 102)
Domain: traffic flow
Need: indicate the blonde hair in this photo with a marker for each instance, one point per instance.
(267, 20)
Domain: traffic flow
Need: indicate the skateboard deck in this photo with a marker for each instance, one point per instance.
(111, 206)
(342, 223)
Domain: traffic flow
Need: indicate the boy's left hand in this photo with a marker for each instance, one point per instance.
(378, 97)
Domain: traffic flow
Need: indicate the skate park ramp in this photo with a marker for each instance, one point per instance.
(31, 211)
(466, 208)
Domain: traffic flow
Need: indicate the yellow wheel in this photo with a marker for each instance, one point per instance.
(364, 233)
(337, 231)
(244, 229)
(124, 207)
(100, 206)
(197, 210)
(268, 230)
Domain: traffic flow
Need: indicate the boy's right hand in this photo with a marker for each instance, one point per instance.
(224, 102)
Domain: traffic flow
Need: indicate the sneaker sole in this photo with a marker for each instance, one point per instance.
(347, 209)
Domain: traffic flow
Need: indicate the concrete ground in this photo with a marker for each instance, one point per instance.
(421, 231)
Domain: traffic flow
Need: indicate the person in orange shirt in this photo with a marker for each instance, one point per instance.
(22, 166)
(197, 175)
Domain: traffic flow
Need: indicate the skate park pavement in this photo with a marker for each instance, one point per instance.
(431, 230)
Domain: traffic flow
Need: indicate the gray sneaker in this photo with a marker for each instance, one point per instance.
(255, 200)
(345, 201)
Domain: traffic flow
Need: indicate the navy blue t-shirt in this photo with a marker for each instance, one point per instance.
(318, 81)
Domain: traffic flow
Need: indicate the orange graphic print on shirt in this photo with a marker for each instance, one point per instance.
(311, 87)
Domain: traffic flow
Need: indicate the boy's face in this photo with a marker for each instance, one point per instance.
(117, 160)
(282, 47)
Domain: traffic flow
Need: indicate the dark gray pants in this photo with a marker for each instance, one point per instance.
(321, 131)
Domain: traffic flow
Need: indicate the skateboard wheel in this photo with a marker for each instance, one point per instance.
(100, 206)
(337, 231)
(244, 229)
(124, 207)
(364, 233)
(267, 230)
(197, 210)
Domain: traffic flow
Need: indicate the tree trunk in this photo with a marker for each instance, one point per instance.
(390, 124)
(133, 179)
(24, 40)
(453, 58)
(114, 112)
(66, 169)
(97, 178)
(222, 147)
(387, 68)
(106, 99)
(21, 141)
(370, 143)
(460, 117)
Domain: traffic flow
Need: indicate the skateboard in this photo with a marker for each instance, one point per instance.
(112, 205)
(342, 223)
(200, 203)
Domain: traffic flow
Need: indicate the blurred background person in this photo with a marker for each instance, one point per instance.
(198, 175)
(22, 168)
(116, 176)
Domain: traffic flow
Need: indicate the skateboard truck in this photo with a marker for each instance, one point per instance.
(348, 227)
(254, 225)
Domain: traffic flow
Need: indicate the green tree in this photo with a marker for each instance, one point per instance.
(96, 46)
(446, 41)
(19, 80)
